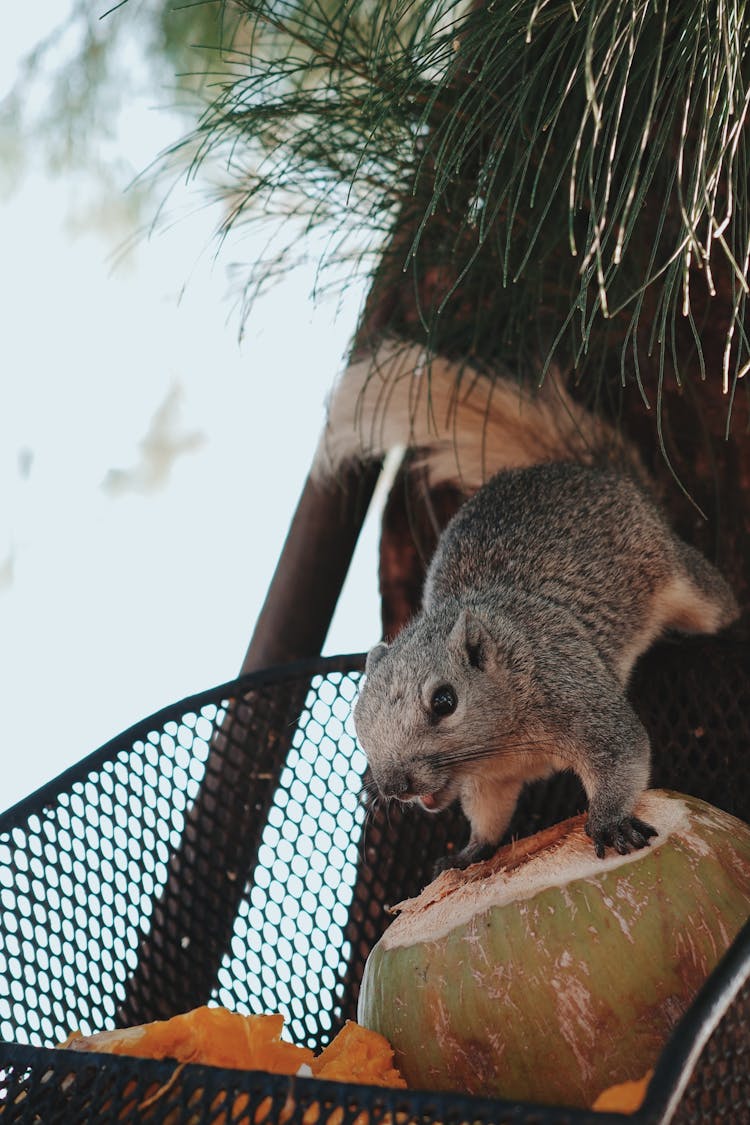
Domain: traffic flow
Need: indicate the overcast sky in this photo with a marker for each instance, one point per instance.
(149, 464)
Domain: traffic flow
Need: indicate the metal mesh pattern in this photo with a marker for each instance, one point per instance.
(219, 851)
(80, 876)
(159, 1093)
(719, 1089)
(288, 946)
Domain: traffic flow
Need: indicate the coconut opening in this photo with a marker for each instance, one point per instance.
(522, 869)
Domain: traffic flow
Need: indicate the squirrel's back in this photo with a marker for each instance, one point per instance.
(582, 541)
(553, 528)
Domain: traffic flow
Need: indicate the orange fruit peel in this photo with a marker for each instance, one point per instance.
(219, 1037)
(625, 1097)
(214, 1036)
(358, 1055)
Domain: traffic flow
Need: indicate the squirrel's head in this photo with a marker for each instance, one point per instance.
(435, 705)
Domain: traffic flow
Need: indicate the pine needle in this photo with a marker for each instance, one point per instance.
(566, 166)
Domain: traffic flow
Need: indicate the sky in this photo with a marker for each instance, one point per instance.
(129, 579)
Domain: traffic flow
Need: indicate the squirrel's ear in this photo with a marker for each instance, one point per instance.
(374, 656)
(470, 640)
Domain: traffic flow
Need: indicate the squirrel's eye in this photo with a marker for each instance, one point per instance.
(443, 701)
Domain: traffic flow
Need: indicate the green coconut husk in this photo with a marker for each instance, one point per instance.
(547, 975)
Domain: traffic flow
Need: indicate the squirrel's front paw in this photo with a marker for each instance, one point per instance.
(625, 835)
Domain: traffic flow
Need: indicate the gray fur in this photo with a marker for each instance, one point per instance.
(545, 588)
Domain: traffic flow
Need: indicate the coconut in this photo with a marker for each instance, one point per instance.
(545, 974)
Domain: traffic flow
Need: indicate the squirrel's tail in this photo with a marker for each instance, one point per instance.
(463, 425)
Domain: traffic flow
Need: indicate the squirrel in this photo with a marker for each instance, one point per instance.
(550, 581)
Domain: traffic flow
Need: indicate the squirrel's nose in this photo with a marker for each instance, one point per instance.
(393, 781)
(400, 784)
(407, 789)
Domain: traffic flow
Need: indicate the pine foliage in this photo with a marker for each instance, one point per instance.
(576, 170)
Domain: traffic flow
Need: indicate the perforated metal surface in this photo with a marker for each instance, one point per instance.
(120, 903)
(288, 949)
(79, 877)
(721, 1081)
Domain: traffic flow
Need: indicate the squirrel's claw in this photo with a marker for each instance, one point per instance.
(625, 835)
(472, 853)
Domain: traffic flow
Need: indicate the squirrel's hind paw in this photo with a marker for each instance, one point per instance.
(625, 835)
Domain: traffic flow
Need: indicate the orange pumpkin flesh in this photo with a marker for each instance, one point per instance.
(358, 1055)
(219, 1037)
(626, 1097)
(214, 1036)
